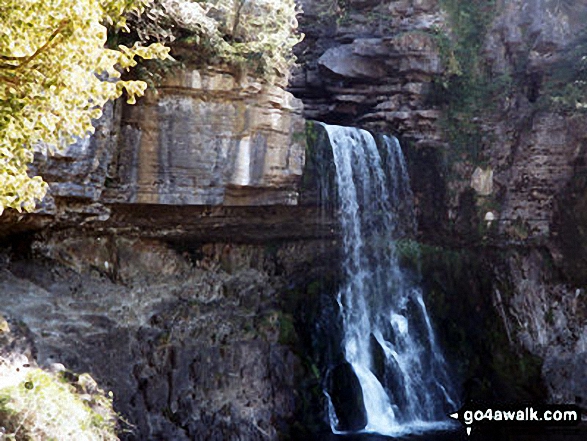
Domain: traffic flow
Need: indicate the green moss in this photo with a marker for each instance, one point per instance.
(467, 92)
(459, 287)
(38, 405)
(298, 137)
(287, 331)
(319, 172)
(311, 135)
(408, 252)
(154, 72)
(302, 306)
(565, 88)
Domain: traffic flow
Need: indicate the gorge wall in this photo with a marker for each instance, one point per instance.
(484, 97)
(172, 258)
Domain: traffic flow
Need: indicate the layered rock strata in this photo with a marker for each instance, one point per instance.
(512, 189)
(210, 138)
(203, 137)
(371, 64)
(166, 258)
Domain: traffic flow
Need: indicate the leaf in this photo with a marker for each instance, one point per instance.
(49, 91)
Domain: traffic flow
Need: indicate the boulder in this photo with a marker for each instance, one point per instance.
(346, 396)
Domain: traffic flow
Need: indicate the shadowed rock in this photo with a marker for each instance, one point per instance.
(347, 398)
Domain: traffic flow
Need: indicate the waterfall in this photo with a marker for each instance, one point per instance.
(388, 338)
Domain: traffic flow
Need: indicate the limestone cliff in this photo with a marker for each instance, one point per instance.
(496, 142)
(169, 257)
(196, 341)
(209, 138)
(371, 64)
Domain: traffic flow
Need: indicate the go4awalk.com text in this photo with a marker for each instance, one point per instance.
(544, 415)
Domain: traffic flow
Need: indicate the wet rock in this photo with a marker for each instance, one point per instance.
(347, 397)
(566, 378)
(388, 372)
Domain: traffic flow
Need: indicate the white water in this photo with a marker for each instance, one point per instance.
(408, 390)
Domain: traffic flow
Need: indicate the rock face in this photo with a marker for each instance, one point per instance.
(371, 64)
(535, 159)
(167, 256)
(191, 339)
(51, 403)
(347, 398)
(512, 191)
(209, 138)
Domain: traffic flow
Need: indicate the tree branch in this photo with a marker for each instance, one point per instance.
(27, 59)
(237, 17)
(9, 58)
(12, 81)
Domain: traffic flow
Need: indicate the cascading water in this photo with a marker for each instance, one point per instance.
(388, 338)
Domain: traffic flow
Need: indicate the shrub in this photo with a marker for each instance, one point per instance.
(37, 405)
(255, 35)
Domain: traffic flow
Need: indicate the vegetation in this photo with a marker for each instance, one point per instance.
(55, 77)
(470, 91)
(566, 85)
(469, 328)
(254, 36)
(57, 70)
(467, 89)
(36, 405)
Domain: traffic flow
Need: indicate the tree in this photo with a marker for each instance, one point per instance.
(56, 74)
(256, 36)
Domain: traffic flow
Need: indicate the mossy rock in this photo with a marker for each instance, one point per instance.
(458, 287)
(387, 371)
(319, 177)
(38, 405)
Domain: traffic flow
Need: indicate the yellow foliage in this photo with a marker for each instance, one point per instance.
(55, 77)
(37, 405)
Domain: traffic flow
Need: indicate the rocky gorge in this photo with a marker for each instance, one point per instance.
(184, 255)
(190, 299)
(496, 148)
